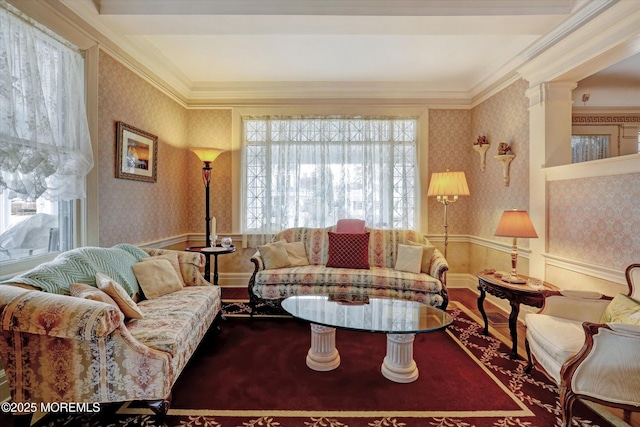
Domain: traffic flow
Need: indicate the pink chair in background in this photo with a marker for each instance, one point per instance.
(350, 226)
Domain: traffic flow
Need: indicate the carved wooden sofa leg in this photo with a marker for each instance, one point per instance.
(160, 407)
(567, 398)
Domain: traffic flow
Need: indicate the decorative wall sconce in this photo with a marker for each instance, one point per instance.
(505, 157)
(481, 146)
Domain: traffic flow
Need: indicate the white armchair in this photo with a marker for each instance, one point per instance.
(588, 359)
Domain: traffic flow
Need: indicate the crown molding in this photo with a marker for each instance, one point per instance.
(76, 28)
(512, 70)
(271, 93)
(164, 78)
(583, 15)
(432, 103)
(494, 88)
(604, 39)
(544, 58)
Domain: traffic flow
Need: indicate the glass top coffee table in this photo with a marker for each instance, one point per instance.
(399, 319)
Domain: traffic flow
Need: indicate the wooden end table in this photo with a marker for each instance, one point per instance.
(516, 294)
(208, 251)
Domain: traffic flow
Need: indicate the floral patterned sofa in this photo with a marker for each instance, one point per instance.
(271, 286)
(60, 348)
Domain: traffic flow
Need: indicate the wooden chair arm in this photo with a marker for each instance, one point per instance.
(606, 366)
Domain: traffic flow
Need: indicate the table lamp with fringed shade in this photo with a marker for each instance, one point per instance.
(447, 187)
(207, 156)
(515, 223)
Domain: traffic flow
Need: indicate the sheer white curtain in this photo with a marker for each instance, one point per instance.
(589, 147)
(312, 171)
(45, 149)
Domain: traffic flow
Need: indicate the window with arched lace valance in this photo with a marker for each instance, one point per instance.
(45, 149)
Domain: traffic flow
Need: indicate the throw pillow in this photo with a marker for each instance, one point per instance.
(297, 253)
(622, 309)
(157, 277)
(348, 250)
(409, 258)
(80, 290)
(172, 257)
(427, 254)
(274, 255)
(112, 288)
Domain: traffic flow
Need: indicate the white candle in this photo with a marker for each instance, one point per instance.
(213, 231)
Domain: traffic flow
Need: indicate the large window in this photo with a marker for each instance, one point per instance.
(312, 171)
(45, 148)
(34, 227)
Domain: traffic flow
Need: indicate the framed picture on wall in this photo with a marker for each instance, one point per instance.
(136, 154)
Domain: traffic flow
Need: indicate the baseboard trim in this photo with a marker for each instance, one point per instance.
(462, 280)
(234, 280)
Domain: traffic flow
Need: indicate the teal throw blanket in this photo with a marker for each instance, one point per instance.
(81, 265)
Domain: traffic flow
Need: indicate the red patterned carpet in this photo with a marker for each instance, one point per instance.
(254, 374)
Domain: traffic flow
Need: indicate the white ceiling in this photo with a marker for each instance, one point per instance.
(445, 49)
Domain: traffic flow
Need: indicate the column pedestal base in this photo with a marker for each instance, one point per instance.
(323, 355)
(398, 365)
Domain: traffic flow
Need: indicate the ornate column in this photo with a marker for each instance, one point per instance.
(398, 364)
(323, 355)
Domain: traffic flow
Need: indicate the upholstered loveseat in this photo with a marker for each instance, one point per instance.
(271, 285)
(60, 348)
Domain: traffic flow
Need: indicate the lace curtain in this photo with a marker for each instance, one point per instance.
(589, 147)
(312, 171)
(45, 149)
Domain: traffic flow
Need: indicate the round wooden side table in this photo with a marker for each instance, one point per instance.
(215, 251)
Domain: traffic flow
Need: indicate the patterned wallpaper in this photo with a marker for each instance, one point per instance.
(596, 220)
(210, 128)
(132, 211)
(139, 212)
(502, 118)
(449, 141)
(591, 220)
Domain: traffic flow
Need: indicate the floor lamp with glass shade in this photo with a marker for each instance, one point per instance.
(515, 223)
(447, 187)
(207, 156)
